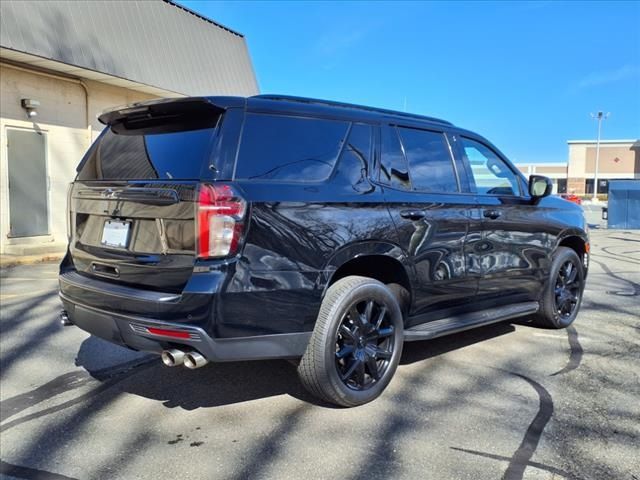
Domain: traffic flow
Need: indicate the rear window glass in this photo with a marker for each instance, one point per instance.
(430, 162)
(293, 149)
(179, 155)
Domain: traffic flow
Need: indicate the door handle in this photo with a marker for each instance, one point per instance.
(492, 214)
(412, 214)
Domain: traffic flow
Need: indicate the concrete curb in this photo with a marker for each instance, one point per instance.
(8, 261)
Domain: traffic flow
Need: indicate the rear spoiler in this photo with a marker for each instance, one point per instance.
(165, 115)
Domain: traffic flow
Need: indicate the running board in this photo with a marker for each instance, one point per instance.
(458, 323)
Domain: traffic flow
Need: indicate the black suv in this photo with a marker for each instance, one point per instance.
(226, 228)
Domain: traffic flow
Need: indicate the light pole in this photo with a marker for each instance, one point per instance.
(599, 116)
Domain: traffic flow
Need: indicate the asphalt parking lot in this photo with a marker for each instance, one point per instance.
(505, 401)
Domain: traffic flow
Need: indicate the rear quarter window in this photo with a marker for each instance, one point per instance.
(292, 149)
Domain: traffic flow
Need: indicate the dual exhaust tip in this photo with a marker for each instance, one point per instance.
(175, 357)
(171, 358)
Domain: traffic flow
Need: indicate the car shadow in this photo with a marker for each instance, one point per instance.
(422, 350)
(235, 382)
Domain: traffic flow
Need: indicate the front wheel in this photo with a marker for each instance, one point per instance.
(562, 296)
(356, 344)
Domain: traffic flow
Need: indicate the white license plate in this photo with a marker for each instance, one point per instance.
(116, 233)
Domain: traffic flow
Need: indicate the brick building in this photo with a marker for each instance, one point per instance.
(619, 159)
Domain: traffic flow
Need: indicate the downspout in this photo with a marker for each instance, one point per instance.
(86, 110)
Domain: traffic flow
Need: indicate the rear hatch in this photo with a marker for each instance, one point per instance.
(133, 203)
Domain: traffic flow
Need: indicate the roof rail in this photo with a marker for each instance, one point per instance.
(292, 98)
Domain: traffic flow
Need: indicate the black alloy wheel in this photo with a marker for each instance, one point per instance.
(567, 289)
(356, 343)
(364, 344)
(562, 295)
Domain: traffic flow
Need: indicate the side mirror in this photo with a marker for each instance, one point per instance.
(539, 187)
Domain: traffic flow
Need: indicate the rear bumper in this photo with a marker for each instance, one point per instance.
(99, 308)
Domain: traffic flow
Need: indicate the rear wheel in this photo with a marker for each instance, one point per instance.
(356, 343)
(561, 299)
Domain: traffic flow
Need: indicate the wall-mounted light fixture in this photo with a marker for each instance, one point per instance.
(31, 106)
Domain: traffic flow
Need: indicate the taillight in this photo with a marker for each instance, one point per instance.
(169, 333)
(220, 222)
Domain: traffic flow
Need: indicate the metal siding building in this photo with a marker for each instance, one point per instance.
(76, 59)
(153, 43)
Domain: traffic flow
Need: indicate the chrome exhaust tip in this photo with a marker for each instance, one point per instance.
(173, 357)
(194, 360)
(65, 321)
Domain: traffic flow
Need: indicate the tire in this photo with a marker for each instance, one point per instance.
(561, 297)
(356, 344)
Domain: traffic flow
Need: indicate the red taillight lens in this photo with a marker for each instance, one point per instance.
(168, 333)
(220, 220)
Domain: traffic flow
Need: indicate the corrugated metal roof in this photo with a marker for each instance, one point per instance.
(157, 43)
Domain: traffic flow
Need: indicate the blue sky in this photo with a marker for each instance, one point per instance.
(526, 75)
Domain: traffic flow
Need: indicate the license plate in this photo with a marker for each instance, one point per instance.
(116, 233)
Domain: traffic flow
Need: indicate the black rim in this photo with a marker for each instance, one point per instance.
(567, 289)
(364, 344)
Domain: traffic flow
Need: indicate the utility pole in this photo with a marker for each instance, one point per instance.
(598, 116)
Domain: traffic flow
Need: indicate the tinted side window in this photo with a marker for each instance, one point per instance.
(491, 175)
(289, 148)
(430, 161)
(393, 164)
(353, 166)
